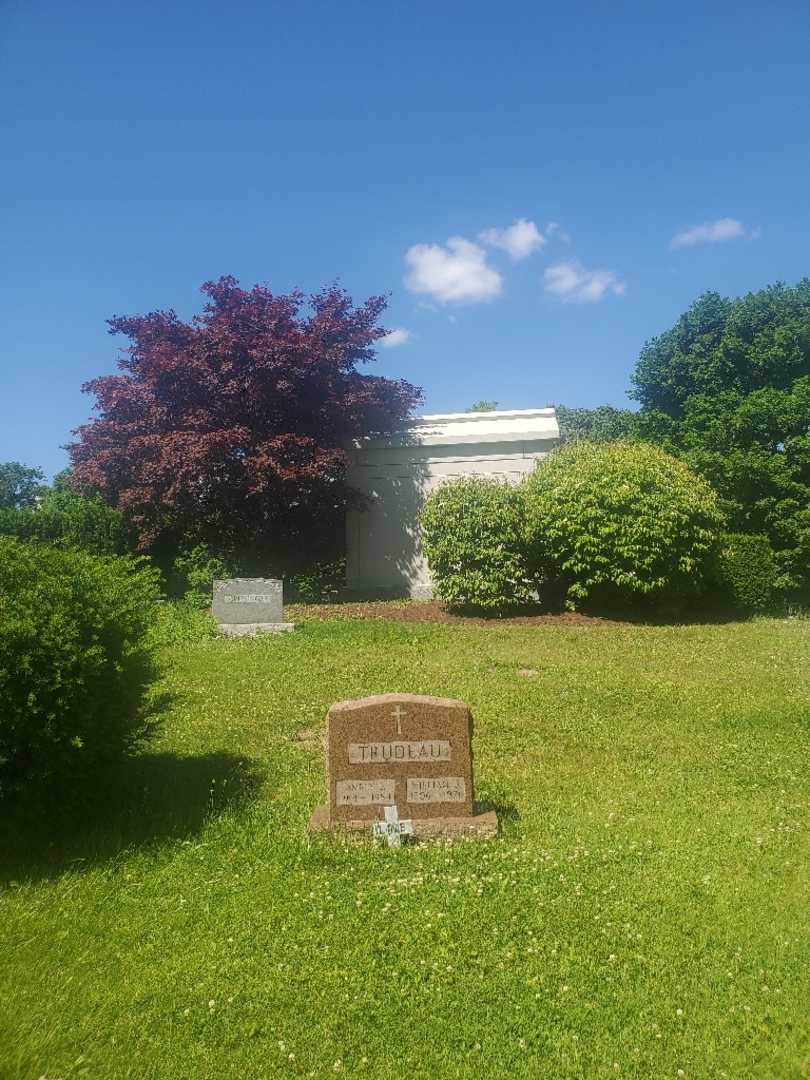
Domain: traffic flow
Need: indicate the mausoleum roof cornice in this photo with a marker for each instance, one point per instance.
(477, 417)
(451, 429)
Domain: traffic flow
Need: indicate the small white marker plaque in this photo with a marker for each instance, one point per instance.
(392, 829)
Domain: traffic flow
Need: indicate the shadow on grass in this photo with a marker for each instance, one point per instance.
(638, 614)
(505, 810)
(148, 799)
(693, 617)
(547, 610)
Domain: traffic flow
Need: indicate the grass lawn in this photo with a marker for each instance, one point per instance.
(643, 913)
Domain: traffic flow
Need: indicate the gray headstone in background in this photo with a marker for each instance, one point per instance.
(246, 605)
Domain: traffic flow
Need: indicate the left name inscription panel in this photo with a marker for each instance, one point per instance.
(365, 792)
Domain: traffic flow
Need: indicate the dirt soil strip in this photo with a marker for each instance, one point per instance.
(433, 612)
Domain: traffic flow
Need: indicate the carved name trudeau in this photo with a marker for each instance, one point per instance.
(386, 752)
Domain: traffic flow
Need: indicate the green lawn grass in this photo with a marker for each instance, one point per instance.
(644, 911)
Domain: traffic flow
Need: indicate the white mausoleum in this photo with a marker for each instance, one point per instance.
(395, 474)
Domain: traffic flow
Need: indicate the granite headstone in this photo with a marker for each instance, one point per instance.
(402, 750)
(249, 605)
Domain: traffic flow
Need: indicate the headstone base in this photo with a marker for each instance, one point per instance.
(484, 824)
(250, 629)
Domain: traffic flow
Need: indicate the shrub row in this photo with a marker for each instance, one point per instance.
(748, 571)
(613, 525)
(66, 518)
(194, 569)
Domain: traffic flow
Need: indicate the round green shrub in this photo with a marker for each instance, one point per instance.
(74, 660)
(473, 540)
(749, 571)
(621, 522)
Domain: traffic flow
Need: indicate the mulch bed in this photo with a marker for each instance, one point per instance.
(415, 611)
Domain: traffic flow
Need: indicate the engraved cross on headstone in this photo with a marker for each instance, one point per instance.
(397, 714)
(392, 829)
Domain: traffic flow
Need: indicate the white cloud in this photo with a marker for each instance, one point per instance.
(520, 239)
(554, 228)
(455, 273)
(710, 232)
(570, 281)
(400, 336)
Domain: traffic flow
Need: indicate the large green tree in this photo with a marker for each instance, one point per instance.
(728, 389)
(602, 424)
(20, 485)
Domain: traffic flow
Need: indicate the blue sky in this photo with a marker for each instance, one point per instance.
(646, 151)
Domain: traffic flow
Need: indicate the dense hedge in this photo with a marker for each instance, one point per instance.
(620, 522)
(74, 660)
(194, 568)
(319, 583)
(473, 540)
(749, 571)
(66, 518)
